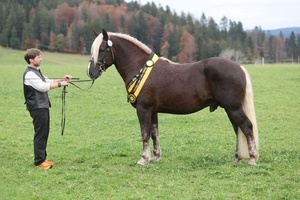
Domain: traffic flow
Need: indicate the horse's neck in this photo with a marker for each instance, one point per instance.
(129, 61)
(127, 71)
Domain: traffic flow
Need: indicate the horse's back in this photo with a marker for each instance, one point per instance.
(221, 65)
(211, 71)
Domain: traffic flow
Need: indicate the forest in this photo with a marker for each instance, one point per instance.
(67, 26)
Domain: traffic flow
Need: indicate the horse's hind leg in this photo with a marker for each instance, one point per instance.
(237, 158)
(145, 124)
(154, 136)
(240, 121)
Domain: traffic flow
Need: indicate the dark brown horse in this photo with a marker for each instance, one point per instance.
(157, 85)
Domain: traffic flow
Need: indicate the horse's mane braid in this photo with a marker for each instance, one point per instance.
(133, 40)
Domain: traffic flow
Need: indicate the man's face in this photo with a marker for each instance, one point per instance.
(36, 61)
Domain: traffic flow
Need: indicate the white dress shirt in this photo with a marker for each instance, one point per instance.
(37, 83)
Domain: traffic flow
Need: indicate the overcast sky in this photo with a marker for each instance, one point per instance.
(268, 14)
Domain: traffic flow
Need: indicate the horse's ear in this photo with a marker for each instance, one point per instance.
(105, 35)
(95, 33)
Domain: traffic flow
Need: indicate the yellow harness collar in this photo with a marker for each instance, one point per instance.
(136, 84)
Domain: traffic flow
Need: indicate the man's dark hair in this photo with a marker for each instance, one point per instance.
(31, 54)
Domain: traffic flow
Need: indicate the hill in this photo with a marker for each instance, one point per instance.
(285, 31)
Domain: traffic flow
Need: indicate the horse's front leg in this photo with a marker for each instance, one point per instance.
(154, 136)
(145, 124)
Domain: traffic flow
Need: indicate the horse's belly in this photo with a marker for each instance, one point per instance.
(182, 105)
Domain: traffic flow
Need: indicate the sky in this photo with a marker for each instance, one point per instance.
(267, 14)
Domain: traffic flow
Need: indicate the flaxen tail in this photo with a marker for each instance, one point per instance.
(249, 110)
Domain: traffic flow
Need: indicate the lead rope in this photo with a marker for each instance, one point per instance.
(63, 107)
(72, 83)
(63, 101)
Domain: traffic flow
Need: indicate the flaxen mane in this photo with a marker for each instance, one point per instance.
(97, 42)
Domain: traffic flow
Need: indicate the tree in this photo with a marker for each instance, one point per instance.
(122, 23)
(108, 25)
(278, 48)
(187, 47)
(298, 47)
(250, 49)
(198, 39)
(84, 15)
(19, 18)
(213, 30)
(164, 50)
(87, 38)
(142, 28)
(64, 13)
(3, 15)
(174, 39)
(291, 46)
(60, 41)
(133, 26)
(259, 42)
(132, 6)
(14, 40)
(75, 38)
(203, 20)
(154, 34)
(52, 45)
(28, 39)
(224, 24)
(12, 28)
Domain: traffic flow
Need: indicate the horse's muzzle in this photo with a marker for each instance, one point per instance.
(92, 72)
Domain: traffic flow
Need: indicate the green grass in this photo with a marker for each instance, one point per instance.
(96, 156)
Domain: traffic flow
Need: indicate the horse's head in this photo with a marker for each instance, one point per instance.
(102, 55)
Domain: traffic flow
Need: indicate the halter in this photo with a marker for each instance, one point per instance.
(103, 60)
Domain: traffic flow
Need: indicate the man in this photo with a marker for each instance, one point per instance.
(36, 87)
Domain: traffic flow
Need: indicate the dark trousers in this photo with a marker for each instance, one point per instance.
(41, 123)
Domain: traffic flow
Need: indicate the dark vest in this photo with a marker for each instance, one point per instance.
(33, 98)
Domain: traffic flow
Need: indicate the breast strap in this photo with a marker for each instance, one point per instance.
(136, 84)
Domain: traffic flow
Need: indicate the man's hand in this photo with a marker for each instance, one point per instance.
(68, 77)
(64, 83)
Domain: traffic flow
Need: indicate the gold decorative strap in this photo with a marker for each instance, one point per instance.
(138, 81)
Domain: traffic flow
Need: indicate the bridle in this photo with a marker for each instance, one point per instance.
(102, 61)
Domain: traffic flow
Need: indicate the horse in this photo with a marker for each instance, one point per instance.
(157, 85)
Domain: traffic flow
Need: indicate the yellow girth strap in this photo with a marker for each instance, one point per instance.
(137, 83)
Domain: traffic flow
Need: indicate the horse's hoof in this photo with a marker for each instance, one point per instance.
(142, 162)
(257, 157)
(154, 159)
(252, 162)
(237, 160)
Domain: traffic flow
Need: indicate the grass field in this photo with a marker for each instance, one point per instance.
(95, 159)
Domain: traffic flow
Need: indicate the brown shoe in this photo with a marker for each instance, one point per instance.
(49, 162)
(44, 165)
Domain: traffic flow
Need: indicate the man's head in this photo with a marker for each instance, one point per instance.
(33, 56)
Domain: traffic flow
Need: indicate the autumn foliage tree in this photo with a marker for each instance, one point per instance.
(188, 48)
